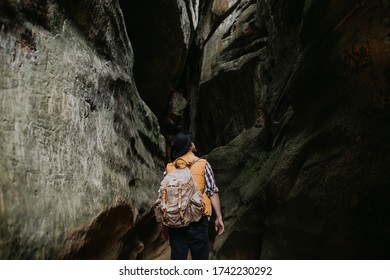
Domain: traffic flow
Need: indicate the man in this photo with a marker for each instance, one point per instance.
(194, 237)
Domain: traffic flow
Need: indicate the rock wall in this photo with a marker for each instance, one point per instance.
(312, 182)
(81, 152)
(229, 94)
(326, 192)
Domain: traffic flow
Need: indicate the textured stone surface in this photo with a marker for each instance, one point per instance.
(80, 150)
(228, 99)
(312, 182)
(240, 175)
(326, 195)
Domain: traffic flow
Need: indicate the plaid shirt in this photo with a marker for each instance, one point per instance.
(210, 186)
(209, 180)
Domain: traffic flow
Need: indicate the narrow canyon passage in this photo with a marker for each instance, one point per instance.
(287, 100)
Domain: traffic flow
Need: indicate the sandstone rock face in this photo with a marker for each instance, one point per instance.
(326, 194)
(313, 183)
(229, 93)
(238, 167)
(81, 152)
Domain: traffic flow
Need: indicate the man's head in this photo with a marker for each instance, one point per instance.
(181, 144)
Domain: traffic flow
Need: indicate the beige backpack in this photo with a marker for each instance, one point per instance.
(179, 201)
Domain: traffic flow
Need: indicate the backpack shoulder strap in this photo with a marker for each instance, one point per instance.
(180, 163)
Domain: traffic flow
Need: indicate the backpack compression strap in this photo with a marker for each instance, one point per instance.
(180, 204)
(164, 203)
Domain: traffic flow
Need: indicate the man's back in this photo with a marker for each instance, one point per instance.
(197, 168)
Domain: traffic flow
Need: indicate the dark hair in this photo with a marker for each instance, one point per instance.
(181, 144)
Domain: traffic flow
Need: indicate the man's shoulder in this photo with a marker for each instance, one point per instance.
(200, 161)
(170, 167)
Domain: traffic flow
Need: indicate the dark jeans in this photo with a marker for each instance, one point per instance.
(194, 237)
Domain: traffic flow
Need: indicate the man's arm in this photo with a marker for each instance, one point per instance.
(212, 192)
(219, 226)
